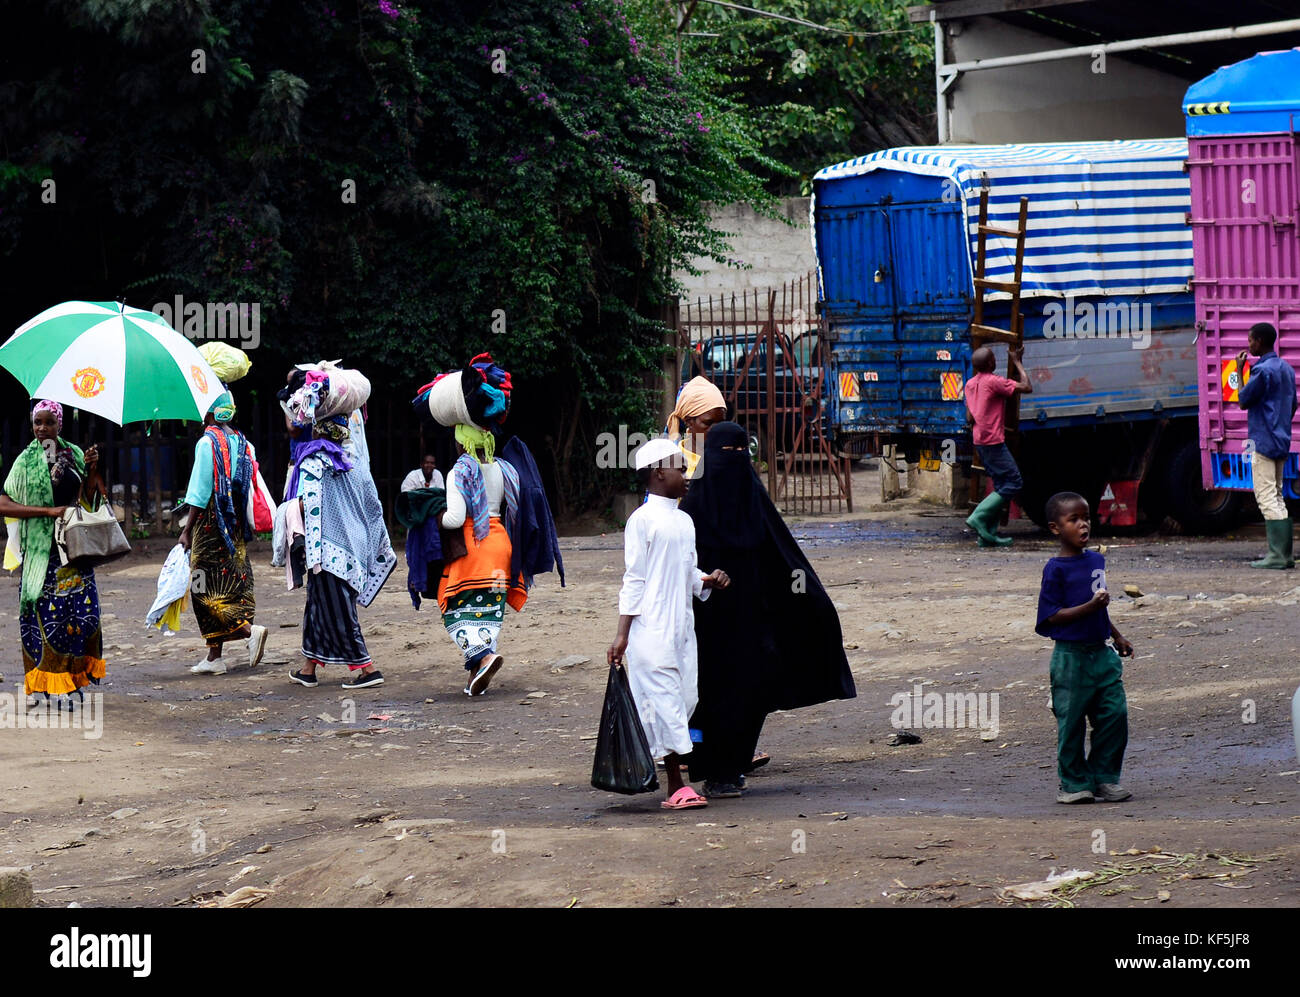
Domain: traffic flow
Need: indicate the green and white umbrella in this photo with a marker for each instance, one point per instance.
(122, 363)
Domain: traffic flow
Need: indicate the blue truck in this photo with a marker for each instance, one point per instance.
(1108, 315)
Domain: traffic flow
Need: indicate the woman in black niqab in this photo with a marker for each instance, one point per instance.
(772, 640)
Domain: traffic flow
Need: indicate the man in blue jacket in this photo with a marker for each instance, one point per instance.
(1269, 398)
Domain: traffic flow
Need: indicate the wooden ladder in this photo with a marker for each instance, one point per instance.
(982, 334)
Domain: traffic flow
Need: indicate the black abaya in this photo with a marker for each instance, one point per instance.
(771, 640)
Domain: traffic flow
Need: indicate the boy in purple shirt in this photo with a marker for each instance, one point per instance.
(1087, 675)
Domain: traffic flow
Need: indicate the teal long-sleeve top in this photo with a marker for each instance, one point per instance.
(199, 491)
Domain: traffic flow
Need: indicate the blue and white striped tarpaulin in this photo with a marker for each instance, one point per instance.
(1105, 218)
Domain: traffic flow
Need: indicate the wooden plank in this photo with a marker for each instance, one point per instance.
(1008, 233)
(1010, 286)
(979, 255)
(1012, 421)
(953, 9)
(988, 332)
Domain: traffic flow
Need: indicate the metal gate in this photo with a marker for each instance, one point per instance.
(766, 352)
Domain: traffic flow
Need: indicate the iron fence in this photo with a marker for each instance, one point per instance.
(765, 349)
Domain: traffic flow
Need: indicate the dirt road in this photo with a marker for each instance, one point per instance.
(412, 794)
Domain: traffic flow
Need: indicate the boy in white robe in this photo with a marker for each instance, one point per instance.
(656, 624)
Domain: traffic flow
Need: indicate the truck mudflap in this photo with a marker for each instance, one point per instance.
(1119, 503)
(1232, 471)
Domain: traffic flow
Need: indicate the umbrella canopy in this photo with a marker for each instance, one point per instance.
(122, 363)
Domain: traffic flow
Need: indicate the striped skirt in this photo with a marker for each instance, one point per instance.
(331, 632)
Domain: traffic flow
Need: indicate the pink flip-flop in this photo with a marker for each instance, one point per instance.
(684, 799)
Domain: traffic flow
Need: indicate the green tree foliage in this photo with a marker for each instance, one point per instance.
(821, 97)
(401, 184)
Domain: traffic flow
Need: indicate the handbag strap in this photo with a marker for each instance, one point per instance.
(101, 491)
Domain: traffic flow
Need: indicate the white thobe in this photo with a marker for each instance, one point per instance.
(660, 578)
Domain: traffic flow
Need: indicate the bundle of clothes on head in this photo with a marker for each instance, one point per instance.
(474, 402)
(476, 396)
(324, 403)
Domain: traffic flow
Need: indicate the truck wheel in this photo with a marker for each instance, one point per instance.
(1033, 503)
(1048, 479)
(1196, 509)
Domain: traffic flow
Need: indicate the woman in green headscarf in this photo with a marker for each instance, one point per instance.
(59, 605)
(215, 534)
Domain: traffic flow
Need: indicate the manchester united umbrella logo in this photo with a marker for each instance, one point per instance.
(88, 382)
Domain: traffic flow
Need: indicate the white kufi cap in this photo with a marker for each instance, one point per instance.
(651, 453)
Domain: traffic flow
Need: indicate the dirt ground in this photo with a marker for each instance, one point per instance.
(413, 794)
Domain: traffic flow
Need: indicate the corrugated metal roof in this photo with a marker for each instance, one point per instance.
(1104, 217)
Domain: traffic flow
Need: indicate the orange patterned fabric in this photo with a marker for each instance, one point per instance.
(485, 566)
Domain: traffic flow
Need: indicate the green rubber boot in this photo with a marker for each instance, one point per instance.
(984, 521)
(1279, 534)
(1288, 548)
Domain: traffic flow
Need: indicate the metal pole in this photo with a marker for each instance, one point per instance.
(940, 84)
(771, 392)
(1186, 38)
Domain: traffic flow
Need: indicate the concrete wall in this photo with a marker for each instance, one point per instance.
(774, 251)
(1063, 101)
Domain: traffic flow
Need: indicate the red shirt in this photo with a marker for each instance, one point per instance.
(986, 396)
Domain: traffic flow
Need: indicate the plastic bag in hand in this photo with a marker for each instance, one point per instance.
(173, 587)
(623, 763)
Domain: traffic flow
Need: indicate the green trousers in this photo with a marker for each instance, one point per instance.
(1088, 688)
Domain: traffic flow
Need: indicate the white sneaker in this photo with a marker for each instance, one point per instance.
(206, 667)
(256, 645)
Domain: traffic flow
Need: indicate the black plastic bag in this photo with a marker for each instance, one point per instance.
(623, 763)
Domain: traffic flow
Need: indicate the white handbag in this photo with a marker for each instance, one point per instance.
(88, 539)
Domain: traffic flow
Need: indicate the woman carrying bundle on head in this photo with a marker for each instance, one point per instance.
(58, 618)
(348, 555)
(216, 534)
(476, 587)
(497, 527)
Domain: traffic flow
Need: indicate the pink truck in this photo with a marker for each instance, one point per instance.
(1244, 165)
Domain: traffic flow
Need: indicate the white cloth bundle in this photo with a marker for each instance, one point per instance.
(173, 587)
(447, 402)
(349, 390)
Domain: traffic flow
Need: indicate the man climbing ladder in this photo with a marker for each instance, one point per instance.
(993, 401)
(986, 400)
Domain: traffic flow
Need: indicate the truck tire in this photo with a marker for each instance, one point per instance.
(1033, 500)
(1045, 476)
(1194, 508)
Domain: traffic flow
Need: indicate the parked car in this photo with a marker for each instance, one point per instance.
(738, 366)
